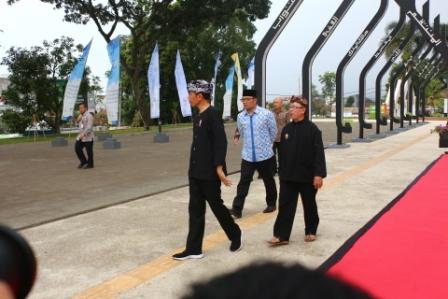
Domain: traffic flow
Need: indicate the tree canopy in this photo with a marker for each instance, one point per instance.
(170, 23)
(37, 79)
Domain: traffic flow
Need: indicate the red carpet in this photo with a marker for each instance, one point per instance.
(403, 251)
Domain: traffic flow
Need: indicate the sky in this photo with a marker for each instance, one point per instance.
(29, 22)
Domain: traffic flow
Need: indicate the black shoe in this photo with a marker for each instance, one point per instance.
(86, 166)
(81, 165)
(186, 255)
(237, 243)
(235, 213)
(269, 209)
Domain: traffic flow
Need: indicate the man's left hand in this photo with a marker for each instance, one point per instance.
(318, 182)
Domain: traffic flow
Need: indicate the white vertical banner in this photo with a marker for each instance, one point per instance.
(181, 84)
(227, 107)
(215, 74)
(251, 74)
(154, 83)
(74, 81)
(113, 84)
(445, 106)
(240, 80)
(91, 101)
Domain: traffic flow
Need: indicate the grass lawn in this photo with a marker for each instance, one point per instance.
(153, 129)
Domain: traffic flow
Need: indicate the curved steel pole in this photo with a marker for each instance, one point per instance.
(394, 79)
(341, 128)
(396, 53)
(421, 60)
(437, 67)
(266, 44)
(317, 46)
(410, 72)
(433, 37)
(362, 79)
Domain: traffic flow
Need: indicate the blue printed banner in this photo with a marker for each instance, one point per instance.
(74, 81)
(113, 85)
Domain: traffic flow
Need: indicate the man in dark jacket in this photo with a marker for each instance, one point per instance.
(302, 169)
(207, 171)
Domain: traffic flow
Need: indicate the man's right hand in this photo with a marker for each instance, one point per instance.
(236, 140)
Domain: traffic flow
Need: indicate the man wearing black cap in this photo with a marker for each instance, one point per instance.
(207, 171)
(258, 129)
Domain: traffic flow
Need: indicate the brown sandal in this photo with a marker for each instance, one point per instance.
(310, 238)
(277, 242)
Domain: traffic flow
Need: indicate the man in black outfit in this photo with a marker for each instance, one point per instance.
(207, 171)
(302, 169)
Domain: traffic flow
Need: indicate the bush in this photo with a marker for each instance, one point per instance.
(16, 122)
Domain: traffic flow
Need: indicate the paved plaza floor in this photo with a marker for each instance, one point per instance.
(123, 251)
(41, 183)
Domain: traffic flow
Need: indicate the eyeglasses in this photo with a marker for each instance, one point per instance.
(296, 107)
(246, 99)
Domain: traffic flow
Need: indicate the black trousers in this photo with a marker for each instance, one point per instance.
(79, 145)
(276, 148)
(289, 193)
(200, 192)
(264, 168)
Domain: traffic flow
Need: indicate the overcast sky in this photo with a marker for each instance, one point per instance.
(29, 22)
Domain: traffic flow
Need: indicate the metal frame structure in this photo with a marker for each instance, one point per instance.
(341, 128)
(323, 37)
(266, 44)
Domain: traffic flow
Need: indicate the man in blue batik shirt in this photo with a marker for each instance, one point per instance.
(258, 129)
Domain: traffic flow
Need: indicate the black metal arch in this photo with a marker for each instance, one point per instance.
(394, 79)
(437, 67)
(420, 61)
(433, 37)
(341, 128)
(412, 62)
(362, 79)
(317, 46)
(266, 44)
(402, 70)
(396, 53)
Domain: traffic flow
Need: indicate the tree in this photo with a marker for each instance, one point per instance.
(350, 101)
(328, 81)
(435, 86)
(434, 95)
(151, 21)
(37, 76)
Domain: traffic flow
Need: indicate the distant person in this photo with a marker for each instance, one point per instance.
(256, 125)
(281, 119)
(85, 137)
(17, 265)
(206, 173)
(274, 281)
(302, 169)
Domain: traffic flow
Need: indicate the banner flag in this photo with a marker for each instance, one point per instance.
(215, 74)
(91, 102)
(228, 95)
(113, 85)
(251, 74)
(154, 83)
(74, 81)
(181, 84)
(240, 80)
